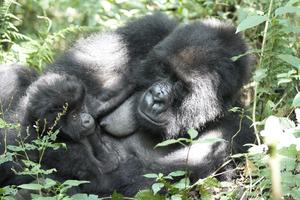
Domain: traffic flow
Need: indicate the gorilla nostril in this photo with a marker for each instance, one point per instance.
(87, 120)
(103, 124)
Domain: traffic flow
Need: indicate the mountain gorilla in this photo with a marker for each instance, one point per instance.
(187, 80)
(104, 61)
(55, 102)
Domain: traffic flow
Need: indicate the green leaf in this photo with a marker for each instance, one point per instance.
(117, 196)
(177, 173)
(182, 184)
(259, 74)
(294, 61)
(166, 143)
(49, 183)
(176, 197)
(74, 182)
(192, 133)
(84, 197)
(284, 80)
(31, 186)
(296, 101)
(209, 140)
(147, 195)
(156, 187)
(250, 22)
(286, 9)
(151, 175)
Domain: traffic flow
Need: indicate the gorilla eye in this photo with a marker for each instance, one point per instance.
(74, 116)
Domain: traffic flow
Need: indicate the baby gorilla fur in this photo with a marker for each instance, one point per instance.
(55, 102)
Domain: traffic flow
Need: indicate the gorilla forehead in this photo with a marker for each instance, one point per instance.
(55, 90)
(207, 47)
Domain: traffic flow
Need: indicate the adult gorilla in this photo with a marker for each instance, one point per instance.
(187, 80)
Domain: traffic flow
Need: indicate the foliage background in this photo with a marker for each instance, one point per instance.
(34, 32)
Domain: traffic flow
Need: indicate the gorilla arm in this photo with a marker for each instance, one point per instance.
(204, 157)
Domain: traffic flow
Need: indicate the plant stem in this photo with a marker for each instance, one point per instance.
(259, 66)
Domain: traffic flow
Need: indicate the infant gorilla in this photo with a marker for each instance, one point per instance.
(56, 102)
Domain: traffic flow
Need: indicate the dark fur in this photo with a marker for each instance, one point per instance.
(103, 60)
(195, 60)
(14, 80)
(50, 95)
(187, 80)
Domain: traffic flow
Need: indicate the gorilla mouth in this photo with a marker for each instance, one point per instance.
(148, 118)
(89, 131)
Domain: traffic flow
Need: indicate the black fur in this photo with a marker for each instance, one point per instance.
(14, 80)
(104, 61)
(187, 81)
(38, 114)
(195, 60)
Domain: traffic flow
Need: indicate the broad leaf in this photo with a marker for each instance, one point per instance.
(294, 61)
(250, 22)
(287, 9)
(296, 101)
(166, 143)
(151, 175)
(177, 173)
(156, 187)
(31, 186)
(192, 133)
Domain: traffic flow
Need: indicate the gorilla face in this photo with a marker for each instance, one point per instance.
(59, 102)
(155, 102)
(189, 78)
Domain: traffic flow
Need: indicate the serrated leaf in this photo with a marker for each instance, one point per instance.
(250, 22)
(49, 183)
(286, 9)
(182, 184)
(84, 197)
(192, 133)
(166, 143)
(31, 186)
(147, 195)
(209, 140)
(177, 173)
(156, 187)
(259, 74)
(283, 81)
(74, 182)
(292, 60)
(296, 100)
(150, 175)
(176, 197)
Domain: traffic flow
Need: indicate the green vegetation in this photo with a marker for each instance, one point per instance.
(33, 32)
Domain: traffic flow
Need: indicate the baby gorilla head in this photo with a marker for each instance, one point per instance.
(58, 102)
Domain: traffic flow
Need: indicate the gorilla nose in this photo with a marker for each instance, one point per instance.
(160, 93)
(87, 120)
(103, 124)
